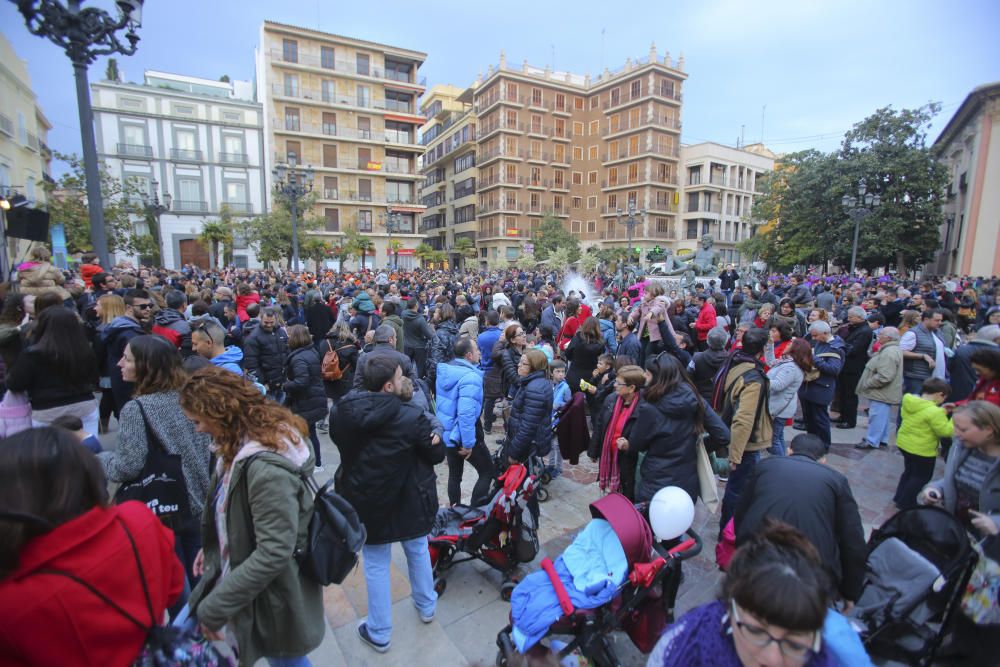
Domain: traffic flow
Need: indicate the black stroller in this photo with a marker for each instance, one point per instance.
(918, 564)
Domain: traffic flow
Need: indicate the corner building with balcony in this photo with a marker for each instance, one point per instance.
(578, 148)
(347, 108)
(198, 140)
(449, 169)
(720, 184)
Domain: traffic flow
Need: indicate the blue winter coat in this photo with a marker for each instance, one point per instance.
(230, 360)
(610, 337)
(829, 359)
(530, 421)
(459, 392)
(487, 341)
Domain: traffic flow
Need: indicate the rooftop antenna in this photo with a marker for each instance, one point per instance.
(743, 131)
(762, 113)
(602, 49)
(553, 47)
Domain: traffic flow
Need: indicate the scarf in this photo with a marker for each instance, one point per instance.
(609, 476)
(735, 358)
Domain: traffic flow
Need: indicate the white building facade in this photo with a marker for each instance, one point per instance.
(200, 140)
(720, 183)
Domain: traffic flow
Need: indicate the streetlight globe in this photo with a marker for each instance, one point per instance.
(132, 10)
(876, 200)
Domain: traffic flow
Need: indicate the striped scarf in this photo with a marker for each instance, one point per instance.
(609, 476)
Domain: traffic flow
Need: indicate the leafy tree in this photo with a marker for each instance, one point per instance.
(224, 78)
(423, 252)
(218, 232)
(560, 258)
(354, 243)
(112, 73)
(590, 260)
(526, 262)
(147, 249)
(438, 256)
(270, 234)
(466, 249)
(67, 204)
(395, 246)
(550, 236)
(316, 249)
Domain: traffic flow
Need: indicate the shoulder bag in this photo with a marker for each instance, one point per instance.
(160, 485)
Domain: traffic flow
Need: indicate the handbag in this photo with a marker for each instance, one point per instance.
(165, 645)
(160, 485)
(708, 489)
(981, 599)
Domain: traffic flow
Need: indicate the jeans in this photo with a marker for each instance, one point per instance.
(878, 423)
(418, 561)
(817, 420)
(777, 447)
(737, 479)
(729, 298)
(314, 438)
(489, 405)
(555, 458)
(301, 661)
(482, 462)
(917, 471)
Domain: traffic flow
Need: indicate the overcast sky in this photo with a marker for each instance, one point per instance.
(817, 67)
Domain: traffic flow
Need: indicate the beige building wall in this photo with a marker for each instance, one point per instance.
(969, 147)
(348, 108)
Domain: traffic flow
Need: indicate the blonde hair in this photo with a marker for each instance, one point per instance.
(537, 361)
(983, 415)
(112, 306)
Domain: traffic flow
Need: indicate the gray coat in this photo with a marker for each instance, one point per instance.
(786, 378)
(178, 436)
(882, 379)
(989, 494)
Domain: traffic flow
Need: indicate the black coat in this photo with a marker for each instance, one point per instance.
(304, 384)
(817, 500)
(665, 430)
(387, 464)
(264, 355)
(529, 427)
(856, 342)
(706, 366)
(601, 425)
(409, 368)
(319, 319)
(509, 360)
(583, 360)
(348, 353)
(442, 348)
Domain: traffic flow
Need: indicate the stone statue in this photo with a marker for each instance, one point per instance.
(706, 260)
(672, 266)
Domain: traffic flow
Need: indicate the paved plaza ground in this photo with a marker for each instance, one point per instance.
(470, 613)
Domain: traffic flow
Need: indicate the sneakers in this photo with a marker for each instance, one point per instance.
(318, 469)
(723, 477)
(864, 444)
(424, 618)
(488, 429)
(844, 425)
(321, 427)
(366, 638)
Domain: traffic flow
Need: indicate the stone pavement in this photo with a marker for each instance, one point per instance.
(470, 613)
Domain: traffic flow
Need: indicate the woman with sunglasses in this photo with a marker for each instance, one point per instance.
(770, 613)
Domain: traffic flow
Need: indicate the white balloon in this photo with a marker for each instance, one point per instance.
(670, 512)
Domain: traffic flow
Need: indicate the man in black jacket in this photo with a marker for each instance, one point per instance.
(857, 337)
(417, 335)
(137, 321)
(265, 351)
(801, 491)
(387, 455)
(384, 343)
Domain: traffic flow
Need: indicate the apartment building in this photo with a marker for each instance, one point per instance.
(720, 183)
(348, 108)
(581, 149)
(449, 168)
(199, 141)
(969, 146)
(25, 158)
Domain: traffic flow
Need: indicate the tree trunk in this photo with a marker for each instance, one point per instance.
(900, 263)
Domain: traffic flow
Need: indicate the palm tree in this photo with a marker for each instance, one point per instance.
(212, 234)
(362, 244)
(424, 253)
(394, 246)
(465, 249)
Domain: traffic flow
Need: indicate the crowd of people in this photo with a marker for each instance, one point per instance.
(242, 375)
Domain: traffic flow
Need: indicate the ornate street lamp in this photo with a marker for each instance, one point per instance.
(630, 222)
(858, 208)
(86, 34)
(392, 220)
(293, 183)
(154, 208)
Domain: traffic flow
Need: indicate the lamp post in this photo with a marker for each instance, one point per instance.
(293, 183)
(85, 34)
(858, 208)
(630, 222)
(153, 209)
(391, 221)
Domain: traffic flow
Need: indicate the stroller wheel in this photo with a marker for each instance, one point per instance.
(506, 590)
(440, 584)
(501, 659)
(542, 494)
(546, 478)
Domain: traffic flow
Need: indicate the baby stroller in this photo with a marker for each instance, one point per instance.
(503, 533)
(918, 563)
(614, 567)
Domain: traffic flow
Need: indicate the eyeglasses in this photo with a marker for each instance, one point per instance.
(142, 306)
(761, 638)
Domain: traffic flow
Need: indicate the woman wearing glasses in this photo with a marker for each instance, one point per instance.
(615, 424)
(770, 613)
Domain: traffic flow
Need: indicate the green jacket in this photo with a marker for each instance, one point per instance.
(396, 323)
(882, 379)
(924, 423)
(271, 608)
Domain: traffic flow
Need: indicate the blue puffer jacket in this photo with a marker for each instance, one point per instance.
(530, 422)
(609, 335)
(459, 393)
(829, 359)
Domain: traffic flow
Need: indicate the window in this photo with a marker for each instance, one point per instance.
(330, 155)
(592, 153)
(692, 229)
(595, 127)
(692, 202)
(578, 103)
(330, 124)
(395, 101)
(535, 202)
(633, 173)
(592, 178)
(592, 226)
(577, 178)
(364, 96)
(399, 191)
(664, 228)
(577, 202)
(363, 61)
(577, 152)
(29, 189)
(187, 143)
(510, 91)
(536, 97)
(332, 218)
(559, 179)
(291, 85)
(594, 101)
(616, 95)
(612, 202)
(465, 162)
(134, 135)
(560, 102)
(633, 145)
(364, 189)
(236, 192)
(633, 118)
(575, 226)
(560, 153)
(557, 203)
(578, 129)
(293, 151)
(511, 175)
(330, 190)
(560, 127)
(663, 172)
(289, 50)
(189, 190)
(326, 57)
(666, 88)
(364, 221)
(364, 157)
(535, 147)
(364, 127)
(615, 122)
(536, 176)
(398, 71)
(328, 89)
(613, 176)
(613, 151)
(636, 89)
(592, 202)
(536, 123)
(292, 119)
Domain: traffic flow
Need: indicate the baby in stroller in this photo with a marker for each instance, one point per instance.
(614, 575)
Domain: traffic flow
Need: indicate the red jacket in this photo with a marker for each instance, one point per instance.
(52, 620)
(706, 320)
(88, 271)
(985, 390)
(242, 301)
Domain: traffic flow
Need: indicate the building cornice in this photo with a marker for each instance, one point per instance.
(138, 88)
(969, 108)
(285, 28)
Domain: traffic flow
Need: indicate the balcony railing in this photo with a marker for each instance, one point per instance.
(490, 154)
(190, 206)
(666, 123)
(464, 193)
(391, 168)
(673, 151)
(240, 206)
(6, 125)
(331, 193)
(627, 98)
(402, 199)
(348, 67)
(185, 154)
(135, 150)
(362, 101)
(233, 158)
(500, 180)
